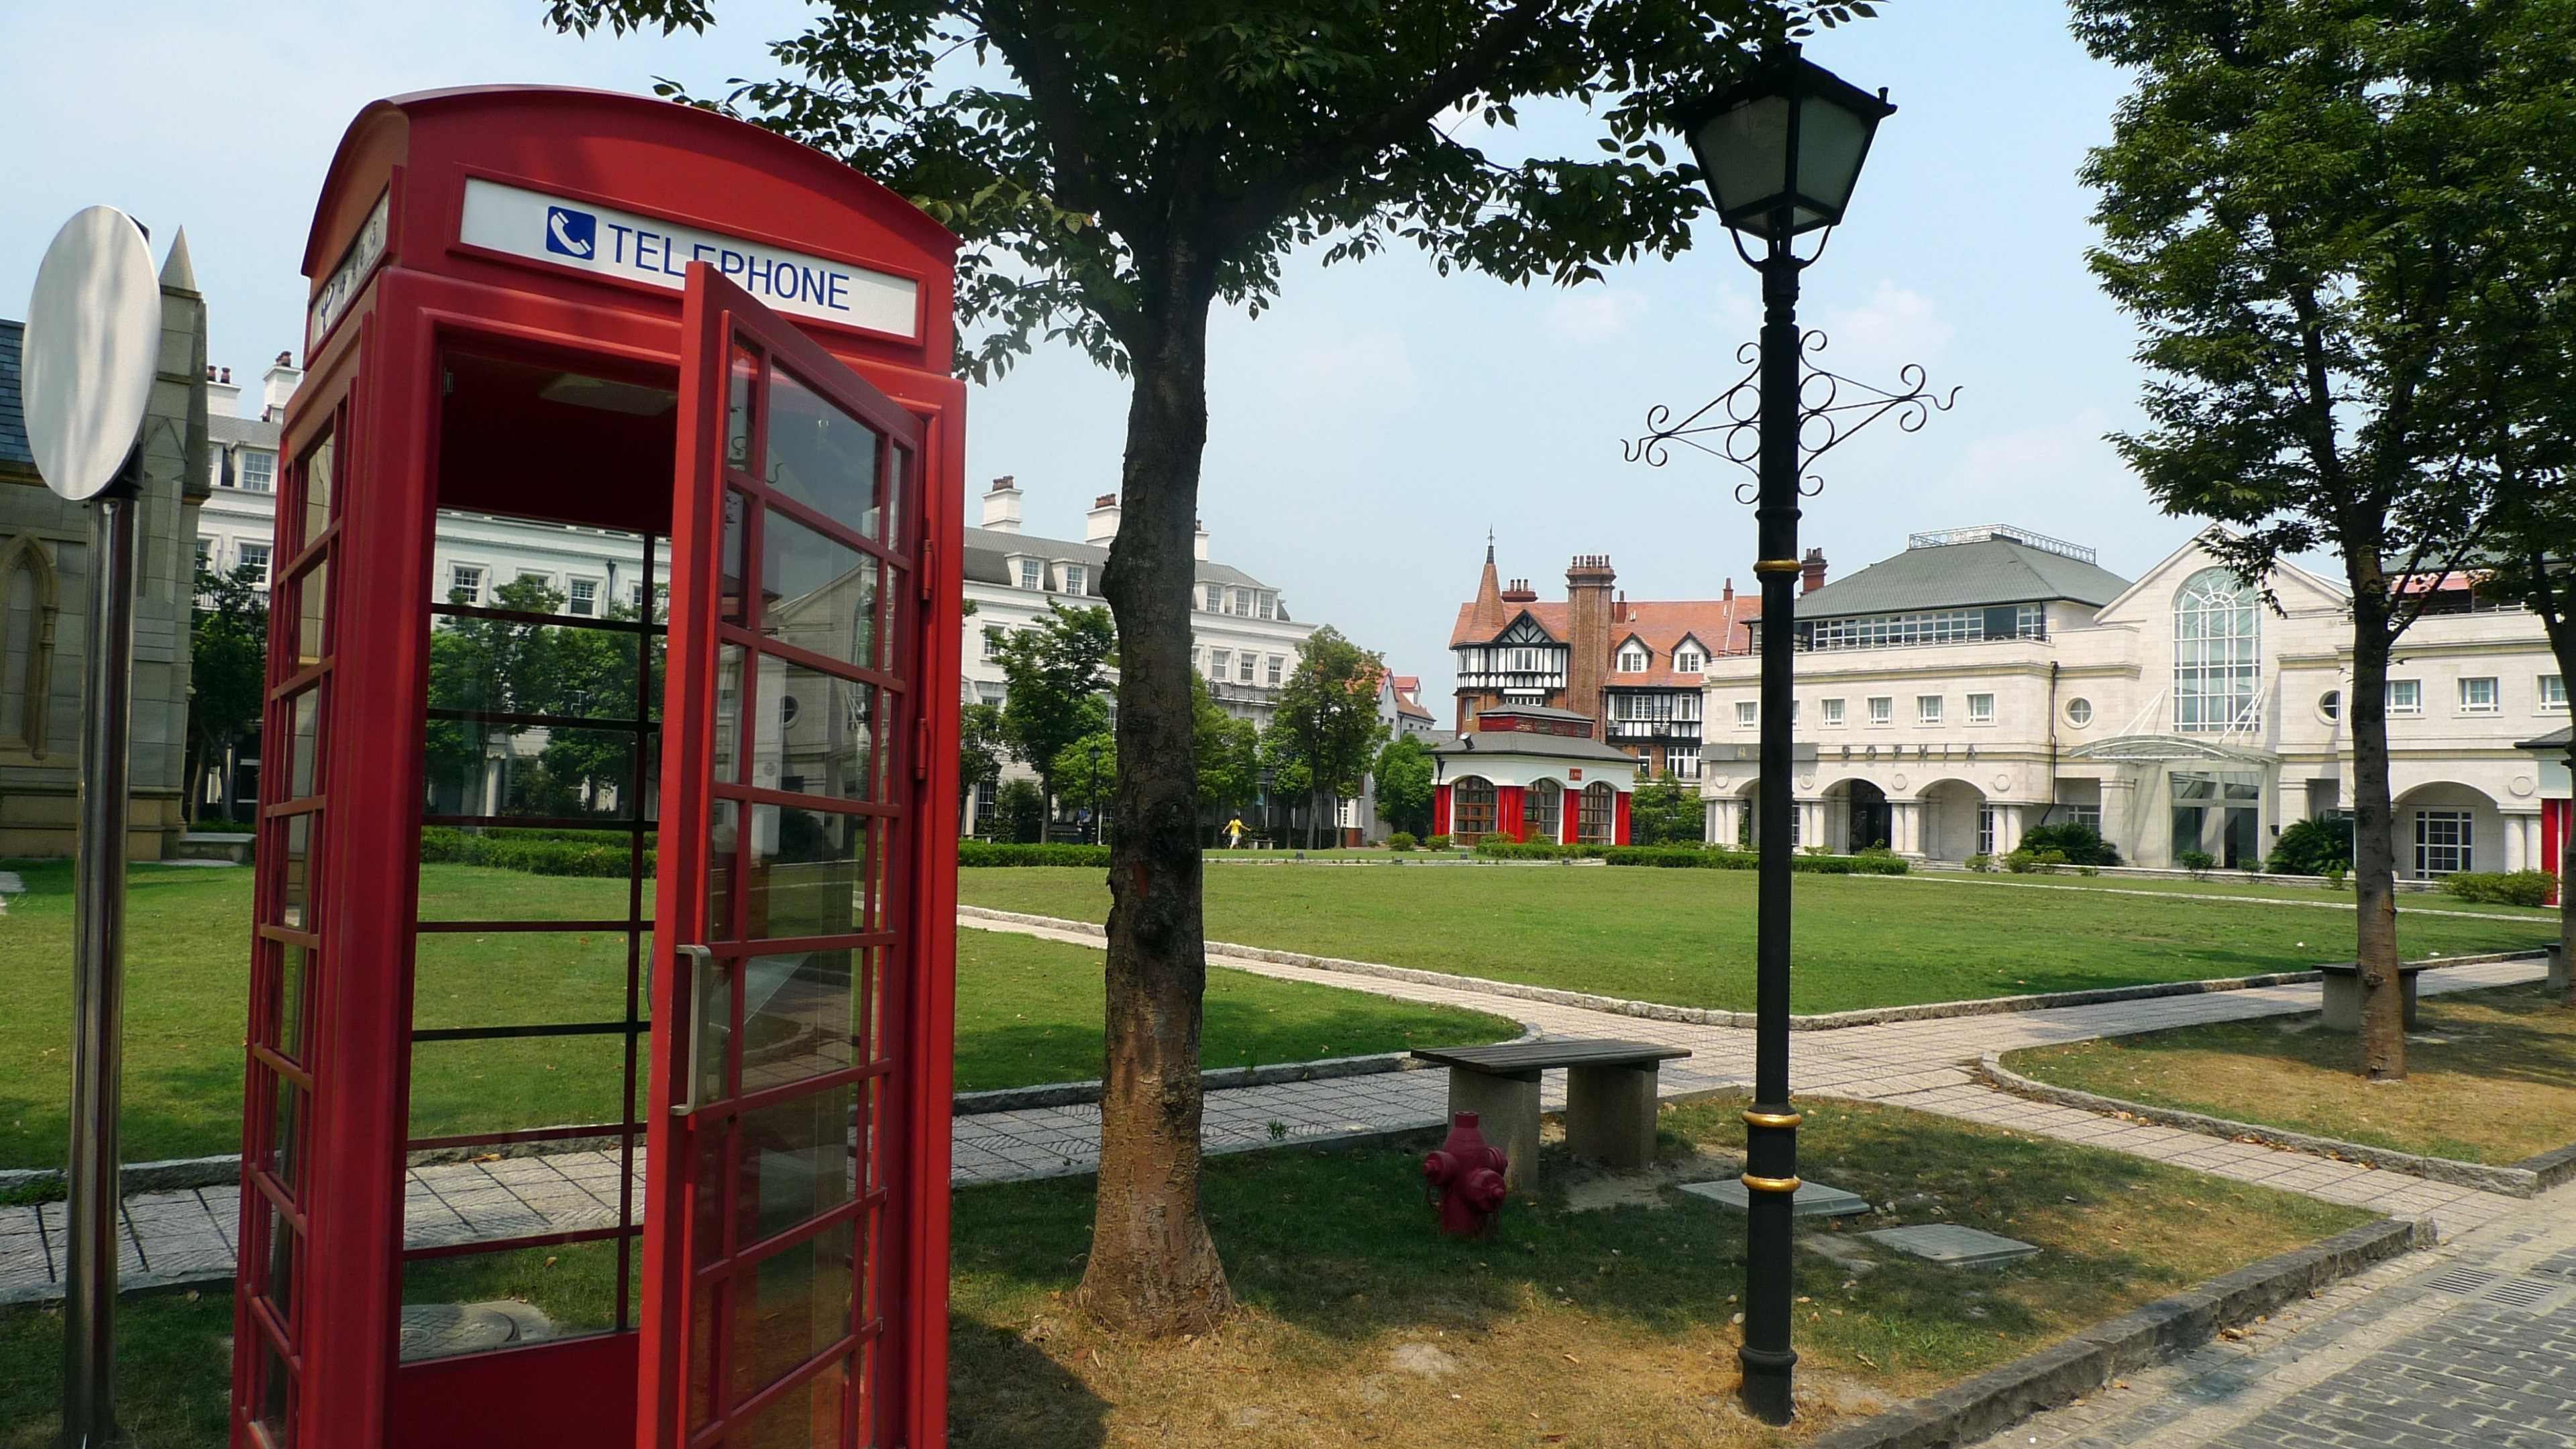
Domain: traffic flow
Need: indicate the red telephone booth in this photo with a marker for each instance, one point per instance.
(600, 1016)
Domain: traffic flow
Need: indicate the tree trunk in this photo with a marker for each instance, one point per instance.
(1153, 1269)
(2374, 845)
(2567, 887)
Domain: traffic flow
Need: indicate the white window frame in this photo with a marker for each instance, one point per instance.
(481, 574)
(2550, 690)
(575, 604)
(1277, 665)
(2445, 843)
(1215, 597)
(267, 470)
(2405, 697)
(1220, 664)
(1075, 576)
(1981, 709)
(2474, 685)
(2079, 712)
(1683, 761)
(1833, 713)
(2218, 654)
(1748, 713)
(1269, 605)
(1633, 661)
(1690, 661)
(1985, 830)
(1927, 709)
(1033, 574)
(1882, 709)
(257, 554)
(1244, 663)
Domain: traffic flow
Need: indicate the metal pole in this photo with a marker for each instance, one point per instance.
(1771, 1127)
(98, 972)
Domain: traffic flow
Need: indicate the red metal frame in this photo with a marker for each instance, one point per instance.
(375, 389)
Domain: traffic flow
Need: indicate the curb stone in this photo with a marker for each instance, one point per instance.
(2528, 1178)
(1967, 1412)
(1712, 1016)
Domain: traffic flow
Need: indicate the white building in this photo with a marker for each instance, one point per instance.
(1989, 679)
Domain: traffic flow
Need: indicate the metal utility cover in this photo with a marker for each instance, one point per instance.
(92, 347)
(1953, 1246)
(1814, 1199)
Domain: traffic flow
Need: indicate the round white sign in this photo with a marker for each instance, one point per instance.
(92, 346)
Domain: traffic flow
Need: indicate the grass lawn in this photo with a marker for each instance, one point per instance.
(1601, 1325)
(1029, 1010)
(1607, 1326)
(1686, 936)
(2490, 1076)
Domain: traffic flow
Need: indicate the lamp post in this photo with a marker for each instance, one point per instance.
(1780, 153)
(1095, 792)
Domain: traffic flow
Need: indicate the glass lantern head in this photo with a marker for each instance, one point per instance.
(1782, 149)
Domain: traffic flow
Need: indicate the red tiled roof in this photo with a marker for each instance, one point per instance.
(1721, 624)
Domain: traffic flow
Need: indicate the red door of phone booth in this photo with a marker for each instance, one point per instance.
(599, 1050)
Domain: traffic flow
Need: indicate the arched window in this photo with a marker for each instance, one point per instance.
(2217, 654)
(26, 643)
(1471, 809)
(1543, 812)
(1600, 814)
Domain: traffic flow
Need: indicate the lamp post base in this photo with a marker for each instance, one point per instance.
(1767, 1376)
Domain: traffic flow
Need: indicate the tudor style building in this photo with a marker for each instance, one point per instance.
(1635, 670)
(1989, 679)
(1529, 773)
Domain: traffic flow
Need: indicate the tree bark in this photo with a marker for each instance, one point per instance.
(2374, 852)
(1153, 1269)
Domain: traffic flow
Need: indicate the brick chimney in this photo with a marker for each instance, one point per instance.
(1520, 593)
(1812, 573)
(1100, 525)
(1588, 584)
(1002, 506)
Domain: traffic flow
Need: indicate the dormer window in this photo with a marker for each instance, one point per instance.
(1688, 661)
(1032, 574)
(1073, 578)
(1632, 659)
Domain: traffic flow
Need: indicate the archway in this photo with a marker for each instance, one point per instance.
(1597, 814)
(2444, 828)
(1543, 812)
(1471, 809)
(1956, 821)
(1857, 817)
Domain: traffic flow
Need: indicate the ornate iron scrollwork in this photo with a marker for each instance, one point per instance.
(1831, 408)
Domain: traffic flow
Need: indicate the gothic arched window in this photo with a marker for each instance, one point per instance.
(2217, 654)
(26, 643)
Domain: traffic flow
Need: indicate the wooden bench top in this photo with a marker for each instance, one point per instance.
(2353, 968)
(1530, 1057)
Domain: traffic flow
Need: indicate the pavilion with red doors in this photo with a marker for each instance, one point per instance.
(659, 1158)
(1528, 773)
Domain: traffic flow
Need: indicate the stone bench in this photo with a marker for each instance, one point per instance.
(1609, 1097)
(2343, 995)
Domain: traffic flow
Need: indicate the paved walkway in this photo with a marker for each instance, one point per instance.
(186, 1236)
(2472, 1344)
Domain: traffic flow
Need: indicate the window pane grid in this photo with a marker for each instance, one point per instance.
(2217, 642)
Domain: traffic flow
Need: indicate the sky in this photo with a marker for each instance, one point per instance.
(1366, 433)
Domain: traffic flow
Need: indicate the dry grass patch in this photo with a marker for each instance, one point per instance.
(2491, 1076)
(1601, 1325)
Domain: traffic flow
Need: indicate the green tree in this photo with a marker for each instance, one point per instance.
(2302, 203)
(227, 673)
(1327, 719)
(1116, 171)
(1664, 811)
(980, 745)
(1404, 784)
(1086, 772)
(2536, 553)
(492, 666)
(1228, 751)
(1021, 811)
(1057, 668)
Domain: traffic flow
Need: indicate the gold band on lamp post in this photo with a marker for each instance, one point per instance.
(1770, 1184)
(1777, 566)
(1774, 1119)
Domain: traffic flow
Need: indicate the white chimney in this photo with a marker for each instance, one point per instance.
(1002, 506)
(1100, 525)
(1198, 543)
(223, 395)
(280, 384)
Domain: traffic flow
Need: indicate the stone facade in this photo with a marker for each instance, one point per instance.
(45, 560)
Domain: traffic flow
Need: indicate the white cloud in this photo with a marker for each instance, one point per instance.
(2050, 464)
(1894, 327)
(1361, 372)
(1594, 314)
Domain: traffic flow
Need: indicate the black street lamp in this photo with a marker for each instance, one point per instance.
(1780, 153)
(1095, 792)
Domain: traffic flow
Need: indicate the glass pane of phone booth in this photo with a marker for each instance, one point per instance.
(529, 1033)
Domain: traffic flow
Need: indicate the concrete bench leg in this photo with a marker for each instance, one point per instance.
(2408, 980)
(2343, 1002)
(1507, 1114)
(1610, 1114)
(2557, 969)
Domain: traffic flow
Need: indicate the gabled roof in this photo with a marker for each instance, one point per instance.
(1658, 625)
(1467, 747)
(13, 418)
(1963, 576)
(225, 430)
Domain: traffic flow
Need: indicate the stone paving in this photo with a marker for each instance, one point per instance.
(187, 1236)
(2471, 1344)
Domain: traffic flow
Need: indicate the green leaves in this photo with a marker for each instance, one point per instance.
(1057, 668)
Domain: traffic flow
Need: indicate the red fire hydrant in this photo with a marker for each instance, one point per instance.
(1466, 1179)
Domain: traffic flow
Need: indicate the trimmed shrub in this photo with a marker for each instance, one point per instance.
(1435, 842)
(980, 853)
(2312, 847)
(2501, 888)
(2026, 861)
(1688, 856)
(2198, 862)
(1496, 848)
(2077, 842)
(1981, 863)
(1402, 840)
(602, 854)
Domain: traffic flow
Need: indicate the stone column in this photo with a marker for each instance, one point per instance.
(1905, 827)
(2007, 829)
(2514, 855)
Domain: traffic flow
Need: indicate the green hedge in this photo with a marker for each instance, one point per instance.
(986, 852)
(2501, 888)
(599, 853)
(1493, 849)
(1689, 856)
